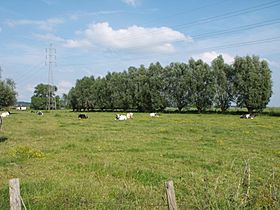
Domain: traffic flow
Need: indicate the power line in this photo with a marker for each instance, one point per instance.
(232, 13)
(225, 15)
(214, 18)
(225, 46)
(242, 44)
(192, 10)
(239, 28)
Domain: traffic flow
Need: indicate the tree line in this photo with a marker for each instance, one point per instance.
(245, 83)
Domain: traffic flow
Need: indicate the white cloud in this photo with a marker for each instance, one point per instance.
(47, 25)
(64, 87)
(134, 38)
(49, 37)
(131, 2)
(209, 56)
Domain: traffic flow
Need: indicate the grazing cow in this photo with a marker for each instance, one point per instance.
(82, 116)
(247, 116)
(5, 114)
(129, 115)
(40, 113)
(154, 115)
(121, 117)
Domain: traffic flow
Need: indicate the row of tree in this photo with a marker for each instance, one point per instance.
(246, 83)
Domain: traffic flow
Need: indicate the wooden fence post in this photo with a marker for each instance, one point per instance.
(170, 194)
(1, 122)
(15, 201)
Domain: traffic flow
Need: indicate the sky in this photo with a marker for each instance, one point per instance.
(93, 37)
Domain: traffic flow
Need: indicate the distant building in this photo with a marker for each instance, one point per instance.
(22, 108)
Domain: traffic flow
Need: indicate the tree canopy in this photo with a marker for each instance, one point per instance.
(252, 83)
(40, 98)
(247, 83)
(7, 93)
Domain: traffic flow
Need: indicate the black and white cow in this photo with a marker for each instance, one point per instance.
(40, 113)
(82, 116)
(247, 116)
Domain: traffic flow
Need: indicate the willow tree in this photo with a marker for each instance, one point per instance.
(177, 81)
(223, 76)
(201, 85)
(252, 83)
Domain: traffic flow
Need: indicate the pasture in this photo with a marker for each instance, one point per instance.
(100, 163)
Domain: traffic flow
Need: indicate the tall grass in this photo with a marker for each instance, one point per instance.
(216, 161)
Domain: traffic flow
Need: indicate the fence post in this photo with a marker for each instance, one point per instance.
(15, 202)
(170, 194)
(1, 122)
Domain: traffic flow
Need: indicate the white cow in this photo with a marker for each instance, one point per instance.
(129, 115)
(154, 115)
(5, 114)
(121, 117)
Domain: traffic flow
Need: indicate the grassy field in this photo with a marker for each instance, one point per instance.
(100, 163)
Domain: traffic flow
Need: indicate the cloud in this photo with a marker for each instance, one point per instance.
(209, 56)
(46, 25)
(49, 37)
(134, 38)
(133, 3)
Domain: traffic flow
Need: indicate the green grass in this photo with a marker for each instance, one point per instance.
(100, 163)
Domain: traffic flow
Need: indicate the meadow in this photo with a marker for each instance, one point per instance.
(100, 163)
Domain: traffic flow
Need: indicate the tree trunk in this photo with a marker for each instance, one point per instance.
(250, 110)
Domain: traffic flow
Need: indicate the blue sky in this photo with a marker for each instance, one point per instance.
(92, 37)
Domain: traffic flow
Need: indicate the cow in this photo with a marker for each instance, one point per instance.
(82, 116)
(40, 113)
(121, 117)
(129, 115)
(154, 115)
(247, 116)
(5, 114)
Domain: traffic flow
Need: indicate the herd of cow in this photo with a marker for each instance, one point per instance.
(120, 117)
